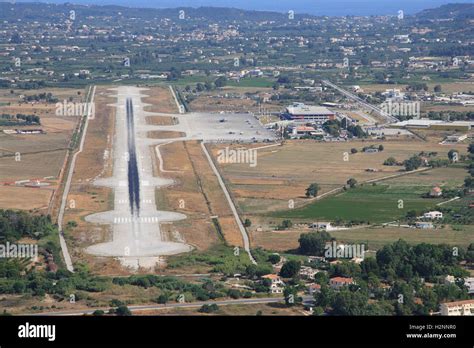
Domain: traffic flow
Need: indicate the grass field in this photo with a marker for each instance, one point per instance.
(375, 237)
(284, 172)
(374, 204)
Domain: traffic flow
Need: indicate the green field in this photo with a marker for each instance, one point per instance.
(378, 237)
(374, 204)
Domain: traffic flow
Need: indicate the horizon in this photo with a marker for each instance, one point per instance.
(312, 7)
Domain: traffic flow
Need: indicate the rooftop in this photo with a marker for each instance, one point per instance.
(458, 303)
(302, 109)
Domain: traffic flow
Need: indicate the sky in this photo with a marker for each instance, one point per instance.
(315, 7)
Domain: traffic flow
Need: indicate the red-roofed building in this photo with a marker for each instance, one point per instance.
(314, 289)
(436, 192)
(338, 282)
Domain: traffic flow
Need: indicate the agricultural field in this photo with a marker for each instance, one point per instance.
(446, 87)
(370, 204)
(375, 237)
(34, 156)
(284, 172)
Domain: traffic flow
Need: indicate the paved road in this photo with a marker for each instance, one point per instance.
(67, 186)
(381, 113)
(242, 229)
(246, 301)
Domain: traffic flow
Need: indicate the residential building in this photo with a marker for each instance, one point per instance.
(436, 192)
(458, 308)
(433, 215)
(321, 226)
(308, 272)
(339, 282)
(277, 284)
(314, 288)
(469, 283)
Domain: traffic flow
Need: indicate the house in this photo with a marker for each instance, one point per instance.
(339, 282)
(316, 259)
(424, 225)
(457, 308)
(469, 283)
(301, 131)
(307, 272)
(321, 226)
(436, 192)
(433, 215)
(314, 288)
(277, 284)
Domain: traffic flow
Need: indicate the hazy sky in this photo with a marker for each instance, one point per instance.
(317, 7)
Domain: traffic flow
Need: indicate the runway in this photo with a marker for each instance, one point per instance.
(136, 235)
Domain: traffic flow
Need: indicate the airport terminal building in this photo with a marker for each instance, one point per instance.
(308, 113)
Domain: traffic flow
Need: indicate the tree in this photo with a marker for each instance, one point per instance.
(291, 296)
(313, 243)
(352, 182)
(162, 299)
(247, 223)
(437, 88)
(354, 150)
(98, 313)
(413, 163)
(208, 308)
(452, 155)
(200, 87)
(290, 269)
(391, 161)
(285, 224)
(321, 278)
(220, 82)
(350, 303)
(381, 148)
(274, 259)
(312, 190)
(123, 311)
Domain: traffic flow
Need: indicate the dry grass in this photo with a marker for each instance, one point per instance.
(87, 198)
(24, 198)
(161, 100)
(289, 169)
(375, 237)
(165, 134)
(196, 194)
(160, 120)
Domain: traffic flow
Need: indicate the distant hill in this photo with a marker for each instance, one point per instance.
(453, 11)
(38, 11)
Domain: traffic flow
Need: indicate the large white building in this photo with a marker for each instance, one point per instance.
(433, 215)
(458, 308)
(308, 113)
